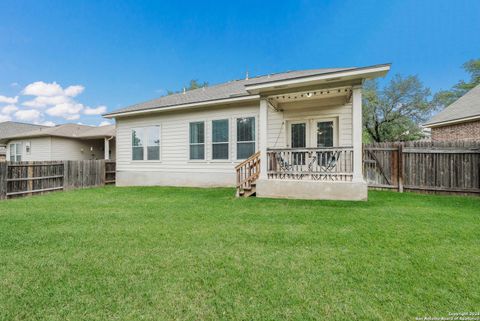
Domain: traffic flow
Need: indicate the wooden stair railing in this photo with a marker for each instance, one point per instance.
(248, 172)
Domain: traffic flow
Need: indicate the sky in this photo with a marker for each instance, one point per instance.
(71, 61)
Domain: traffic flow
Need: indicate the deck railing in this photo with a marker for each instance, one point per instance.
(248, 172)
(326, 164)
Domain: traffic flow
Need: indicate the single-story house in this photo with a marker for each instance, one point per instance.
(63, 142)
(460, 120)
(10, 128)
(295, 134)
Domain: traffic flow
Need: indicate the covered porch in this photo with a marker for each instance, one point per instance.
(310, 140)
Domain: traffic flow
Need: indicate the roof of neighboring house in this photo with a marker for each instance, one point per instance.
(229, 90)
(465, 108)
(70, 131)
(9, 128)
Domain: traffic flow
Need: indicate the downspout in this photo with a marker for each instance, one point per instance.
(107, 147)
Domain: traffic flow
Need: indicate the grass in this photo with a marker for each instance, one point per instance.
(201, 254)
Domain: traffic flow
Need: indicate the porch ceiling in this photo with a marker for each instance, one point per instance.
(316, 94)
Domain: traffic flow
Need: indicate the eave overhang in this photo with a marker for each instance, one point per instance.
(320, 79)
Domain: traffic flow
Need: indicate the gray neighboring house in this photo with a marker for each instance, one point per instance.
(63, 142)
(11, 128)
(460, 120)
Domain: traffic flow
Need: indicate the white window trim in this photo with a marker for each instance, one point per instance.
(229, 142)
(335, 129)
(236, 138)
(205, 140)
(311, 120)
(307, 131)
(145, 152)
(16, 154)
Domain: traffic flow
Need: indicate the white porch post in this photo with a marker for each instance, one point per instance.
(262, 137)
(107, 148)
(357, 126)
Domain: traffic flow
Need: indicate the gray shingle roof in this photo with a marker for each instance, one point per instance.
(466, 106)
(10, 128)
(69, 131)
(235, 88)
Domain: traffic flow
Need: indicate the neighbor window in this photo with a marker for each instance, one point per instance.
(146, 143)
(220, 139)
(16, 152)
(197, 140)
(245, 137)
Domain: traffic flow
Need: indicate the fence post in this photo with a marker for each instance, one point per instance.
(400, 167)
(3, 180)
(30, 175)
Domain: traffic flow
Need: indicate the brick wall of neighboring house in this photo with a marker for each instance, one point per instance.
(461, 131)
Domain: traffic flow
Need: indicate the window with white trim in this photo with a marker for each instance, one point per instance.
(197, 140)
(16, 152)
(245, 137)
(146, 143)
(220, 139)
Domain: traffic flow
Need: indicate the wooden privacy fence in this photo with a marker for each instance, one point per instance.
(28, 178)
(452, 167)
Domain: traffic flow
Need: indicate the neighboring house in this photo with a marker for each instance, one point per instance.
(460, 120)
(63, 142)
(10, 128)
(303, 128)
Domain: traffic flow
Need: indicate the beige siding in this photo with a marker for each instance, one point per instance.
(174, 147)
(175, 168)
(278, 121)
(39, 149)
(72, 149)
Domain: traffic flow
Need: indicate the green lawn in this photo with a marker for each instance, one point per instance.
(201, 254)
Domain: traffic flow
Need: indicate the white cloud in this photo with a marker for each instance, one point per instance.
(44, 101)
(49, 99)
(28, 115)
(104, 123)
(7, 110)
(40, 88)
(5, 118)
(95, 111)
(73, 91)
(47, 123)
(14, 84)
(8, 100)
(69, 111)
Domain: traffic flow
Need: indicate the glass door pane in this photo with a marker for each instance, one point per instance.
(325, 134)
(298, 135)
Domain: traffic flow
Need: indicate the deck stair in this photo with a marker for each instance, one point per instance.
(248, 172)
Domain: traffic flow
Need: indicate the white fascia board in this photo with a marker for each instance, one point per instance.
(451, 122)
(184, 106)
(360, 73)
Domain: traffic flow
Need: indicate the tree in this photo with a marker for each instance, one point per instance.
(446, 97)
(194, 84)
(393, 114)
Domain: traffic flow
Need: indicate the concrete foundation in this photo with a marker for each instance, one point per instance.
(187, 179)
(315, 190)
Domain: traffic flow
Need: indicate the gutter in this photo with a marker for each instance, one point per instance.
(185, 106)
(451, 122)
